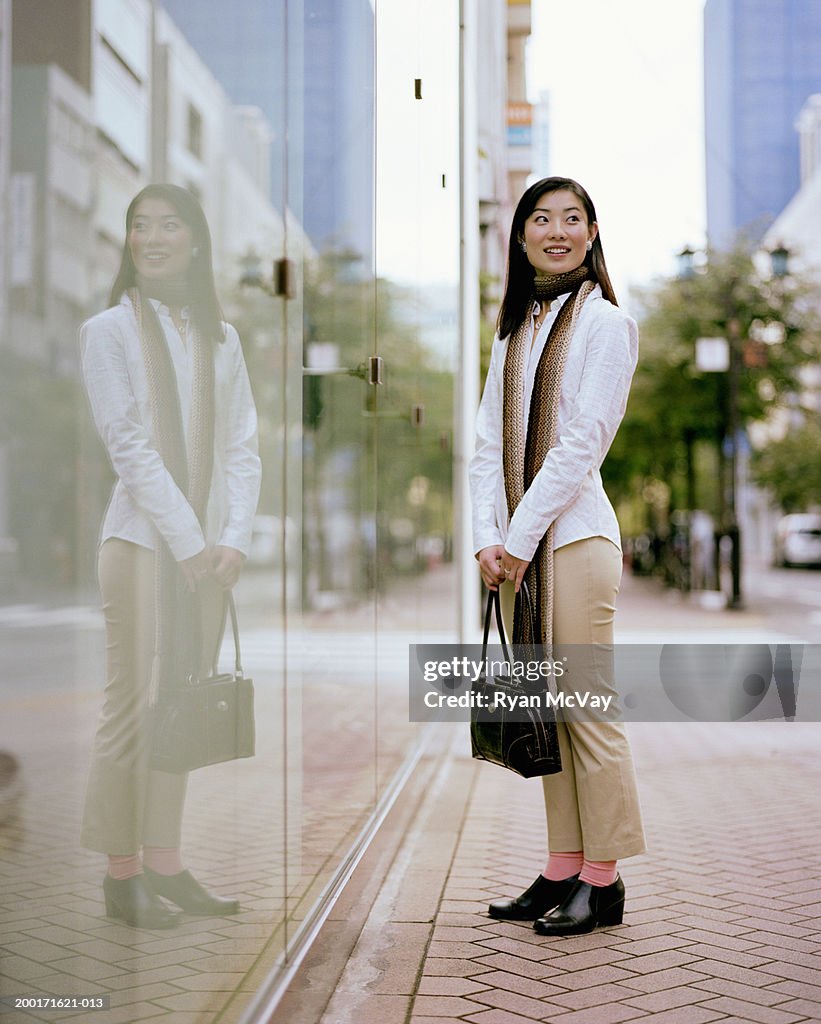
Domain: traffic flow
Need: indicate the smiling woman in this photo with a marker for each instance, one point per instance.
(555, 394)
(171, 400)
(160, 241)
(557, 236)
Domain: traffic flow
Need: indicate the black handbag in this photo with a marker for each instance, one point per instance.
(523, 739)
(205, 721)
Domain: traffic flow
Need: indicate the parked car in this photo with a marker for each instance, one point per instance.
(798, 540)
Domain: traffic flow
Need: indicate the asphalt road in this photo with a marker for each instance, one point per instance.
(790, 599)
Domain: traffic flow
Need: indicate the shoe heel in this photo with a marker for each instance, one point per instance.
(613, 915)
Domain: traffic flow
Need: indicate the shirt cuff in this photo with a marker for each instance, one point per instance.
(520, 545)
(235, 538)
(190, 545)
(486, 538)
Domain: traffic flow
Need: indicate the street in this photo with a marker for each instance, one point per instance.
(790, 598)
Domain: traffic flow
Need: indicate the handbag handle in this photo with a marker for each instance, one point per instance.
(232, 611)
(494, 603)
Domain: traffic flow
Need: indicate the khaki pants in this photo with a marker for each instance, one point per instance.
(592, 804)
(127, 804)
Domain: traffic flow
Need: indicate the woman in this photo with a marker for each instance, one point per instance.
(171, 400)
(555, 394)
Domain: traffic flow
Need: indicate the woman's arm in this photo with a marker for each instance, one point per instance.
(243, 469)
(126, 438)
(597, 412)
(485, 468)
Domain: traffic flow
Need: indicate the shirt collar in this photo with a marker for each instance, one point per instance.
(554, 305)
(160, 307)
(163, 310)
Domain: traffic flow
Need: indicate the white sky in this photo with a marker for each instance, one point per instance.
(626, 94)
(626, 100)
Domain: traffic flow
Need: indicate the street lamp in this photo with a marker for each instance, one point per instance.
(686, 264)
(726, 354)
(780, 260)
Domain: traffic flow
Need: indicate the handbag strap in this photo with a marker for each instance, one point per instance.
(232, 611)
(494, 604)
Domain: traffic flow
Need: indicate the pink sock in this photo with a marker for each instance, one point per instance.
(165, 860)
(563, 865)
(120, 868)
(598, 872)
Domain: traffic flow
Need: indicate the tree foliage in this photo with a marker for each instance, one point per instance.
(791, 468)
(677, 414)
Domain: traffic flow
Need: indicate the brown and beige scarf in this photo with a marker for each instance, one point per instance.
(176, 613)
(522, 455)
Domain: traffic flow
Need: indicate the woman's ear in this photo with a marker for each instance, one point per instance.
(593, 231)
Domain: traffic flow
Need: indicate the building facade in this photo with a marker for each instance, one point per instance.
(762, 59)
(334, 45)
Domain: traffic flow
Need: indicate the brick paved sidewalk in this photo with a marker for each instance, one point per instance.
(723, 914)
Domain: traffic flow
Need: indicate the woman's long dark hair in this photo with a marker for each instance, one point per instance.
(205, 307)
(520, 273)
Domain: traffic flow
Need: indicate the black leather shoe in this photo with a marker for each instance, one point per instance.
(542, 896)
(184, 890)
(130, 900)
(584, 908)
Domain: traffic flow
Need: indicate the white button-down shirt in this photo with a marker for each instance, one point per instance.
(145, 498)
(568, 489)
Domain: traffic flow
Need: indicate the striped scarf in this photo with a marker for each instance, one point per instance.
(176, 612)
(522, 456)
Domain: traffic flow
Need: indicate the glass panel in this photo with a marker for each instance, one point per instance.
(265, 112)
(105, 98)
(417, 250)
(332, 658)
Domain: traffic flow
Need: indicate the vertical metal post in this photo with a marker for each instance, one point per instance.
(466, 383)
(733, 530)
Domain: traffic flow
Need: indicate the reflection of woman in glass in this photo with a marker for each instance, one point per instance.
(172, 402)
(555, 394)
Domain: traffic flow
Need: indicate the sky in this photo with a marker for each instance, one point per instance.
(626, 100)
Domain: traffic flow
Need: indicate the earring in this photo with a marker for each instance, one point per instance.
(589, 245)
(524, 246)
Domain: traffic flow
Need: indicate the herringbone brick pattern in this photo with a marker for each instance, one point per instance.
(723, 914)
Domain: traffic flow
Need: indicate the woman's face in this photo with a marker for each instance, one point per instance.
(556, 233)
(160, 241)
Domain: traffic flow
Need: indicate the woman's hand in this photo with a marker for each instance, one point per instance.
(490, 566)
(513, 569)
(226, 566)
(196, 569)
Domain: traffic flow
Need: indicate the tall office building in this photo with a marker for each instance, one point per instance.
(762, 59)
(329, 50)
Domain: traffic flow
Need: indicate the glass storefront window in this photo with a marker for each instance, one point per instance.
(321, 141)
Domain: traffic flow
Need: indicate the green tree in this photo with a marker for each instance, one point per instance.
(678, 416)
(791, 468)
(376, 460)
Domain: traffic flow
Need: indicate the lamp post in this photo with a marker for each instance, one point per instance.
(726, 354)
